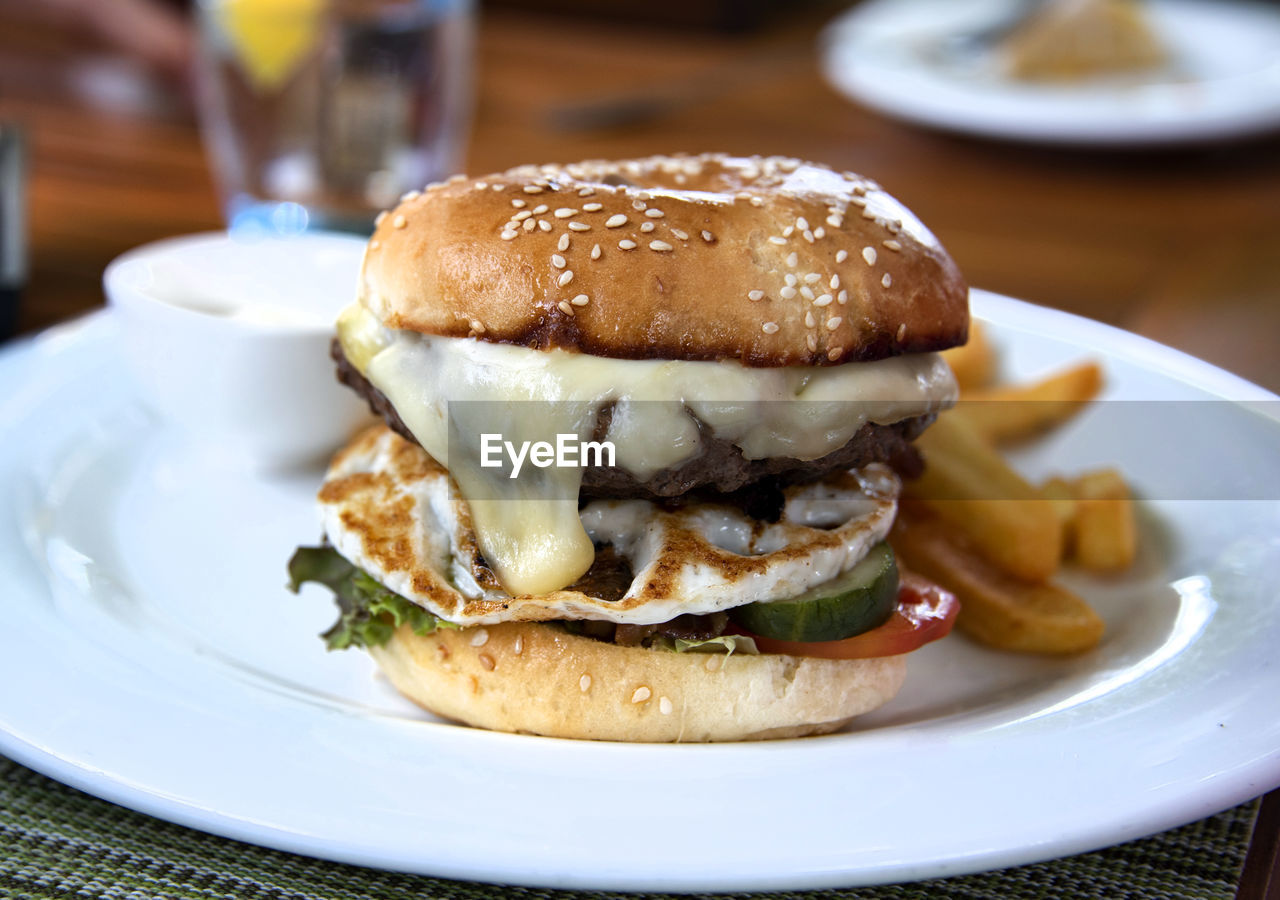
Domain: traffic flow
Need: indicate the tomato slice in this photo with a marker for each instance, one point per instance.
(925, 613)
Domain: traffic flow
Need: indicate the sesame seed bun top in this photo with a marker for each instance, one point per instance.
(770, 261)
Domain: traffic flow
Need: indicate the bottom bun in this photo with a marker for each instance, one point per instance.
(541, 679)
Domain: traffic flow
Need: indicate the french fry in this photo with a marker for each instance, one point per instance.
(1106, 532)
(973, 363)
(1061, 497)
(995, 609)
(1018, 412)
(969, 485)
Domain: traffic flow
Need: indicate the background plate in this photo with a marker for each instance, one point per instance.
(162, 664)
(1224, 81)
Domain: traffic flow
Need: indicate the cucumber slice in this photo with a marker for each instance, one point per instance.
(853, 602)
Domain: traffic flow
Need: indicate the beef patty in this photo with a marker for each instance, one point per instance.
(719, 467)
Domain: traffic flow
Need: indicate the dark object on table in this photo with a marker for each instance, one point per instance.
(13, 231)
(716, 15)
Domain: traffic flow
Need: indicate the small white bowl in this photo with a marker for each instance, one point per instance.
(228, 338)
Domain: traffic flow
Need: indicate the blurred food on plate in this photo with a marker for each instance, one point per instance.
(1073, 40)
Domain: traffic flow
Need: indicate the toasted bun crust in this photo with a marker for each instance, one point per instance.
(530, 677)
(773, 262)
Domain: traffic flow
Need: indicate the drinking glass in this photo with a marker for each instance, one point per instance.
(319, 113)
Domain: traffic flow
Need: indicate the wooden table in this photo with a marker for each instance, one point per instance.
(1181, 245)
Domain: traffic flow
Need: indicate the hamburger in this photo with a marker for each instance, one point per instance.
(645, 425)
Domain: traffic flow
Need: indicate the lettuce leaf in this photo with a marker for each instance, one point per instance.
(368, 613)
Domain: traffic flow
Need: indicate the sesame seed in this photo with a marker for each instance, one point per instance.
(787, 293)
(410, 195)
(774, 239)
(842, 255)
(806, 292)
(808, 236)
(834, 322)
(580, 300)
(540, 209)
(823, 300)
(769, 327)
(819, 232)
(544, 224)
(869, 254)
(518, 203)
(834, 221)
(477, 326)
(639, 204)
(835, 282)
(757, 201)
(893, 227)
(509, 235)
(497, 187)
(755, 295)
(591, 207)
(379, 218)
(708, 236)
(518, 646)
(563, 243)
(584, 683)
(843, 297)
(521, 216)
(487, 661)
(646, 227)
(811, 278)
(834, 353)
(399, 222)
(887, 280)
(902, 332)
(532, 189)
(375, 243)
(664, 706)
(557, 260)
(660, 246)
(579, 226)
(595, 252)
(792, 259)
(615, 221)
(892, 245)
(529, 224)
(641, 694)
(566, 212)
(788, 231)
(868, 214)
(565, 277)
(565, 307)
(802, 223)
(626, 244)
(809, 320)
(790, 279)
(586, 192)
(811, 342)
(681, 235)
(480, 638)
(654, 213)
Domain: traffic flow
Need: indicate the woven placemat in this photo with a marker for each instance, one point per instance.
(58, 842)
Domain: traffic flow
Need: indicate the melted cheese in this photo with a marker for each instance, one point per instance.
(448, 391)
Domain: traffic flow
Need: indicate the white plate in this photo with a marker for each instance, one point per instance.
(1224, 80)
(153, 657)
